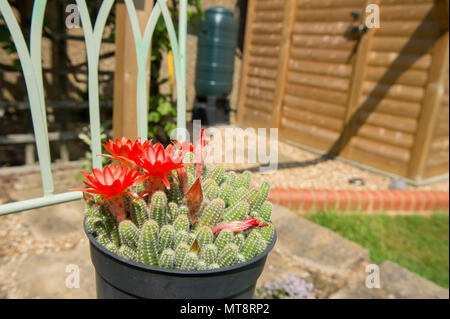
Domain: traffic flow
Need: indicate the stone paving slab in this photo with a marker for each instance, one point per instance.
(396, 282)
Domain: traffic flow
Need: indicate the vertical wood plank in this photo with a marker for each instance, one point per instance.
(285, 45)
(430, 111)
(126, 70)
(246, 60)
(359, 72)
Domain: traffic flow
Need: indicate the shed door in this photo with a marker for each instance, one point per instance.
(319, 71)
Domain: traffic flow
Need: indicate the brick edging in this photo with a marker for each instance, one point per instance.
(362, 200)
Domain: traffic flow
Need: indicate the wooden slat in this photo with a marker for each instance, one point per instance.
(263, 72)
(400, 92)
(317, 4)
(314, 106)
(313, 119)
(310, 131)
(318, 81)
(266, 39)
(417, 12)
(397, 76)
(262, 83)
(327, 15)
(388, 121)
(260, 93)
(324, 28)
(381, 149)
(387, 136)
(264, 62)
(390, 106)
(400, 60)
(266, 28)
(417, 29)
(327, 96)
(319, 68)
(404, 45)
(323, 42)
(265, 51)
(322, 55)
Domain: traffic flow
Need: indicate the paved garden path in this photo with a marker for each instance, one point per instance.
(37, 247)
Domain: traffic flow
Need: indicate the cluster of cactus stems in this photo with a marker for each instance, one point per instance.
(221, 221)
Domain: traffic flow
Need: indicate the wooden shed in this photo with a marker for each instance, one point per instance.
(379, 98)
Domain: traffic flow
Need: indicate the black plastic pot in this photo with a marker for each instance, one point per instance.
(118, 278)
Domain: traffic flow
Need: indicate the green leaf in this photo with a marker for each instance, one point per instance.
(165, 108)
(154, 117)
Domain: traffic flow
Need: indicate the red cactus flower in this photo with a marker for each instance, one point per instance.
(112, 183)
(158, 164)
(125, 148)
(238, 226)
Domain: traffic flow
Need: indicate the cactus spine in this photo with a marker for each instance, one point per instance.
(190, 262)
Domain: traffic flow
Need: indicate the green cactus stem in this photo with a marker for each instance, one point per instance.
(236, 212)
(267, 232)
(181, 223)
(202, 265)
(228, 255)
(112, 248)
(239, 259)
(224, 238)
(104, 240)
(205, 236)
(217, 174)
(111, 225)
(238, 195)
(264, 191)
(212, 213)
(190, 262)
(129, 233)
(266, 211)
(93, 211)
(212, 192)
(148, 244)
(181, 236)
(172, 212)
(191, 238)
(225, 192)
(209, 254)
(166, 237)
(93, 223)
(251, 245)
(174, 193)
(214, 266)
(127, 252)
(167, 259)
(238, 240)
(183, 210)
(158, 208)
(180, 253)
(253, 198)
(138, 211)
(230, 178)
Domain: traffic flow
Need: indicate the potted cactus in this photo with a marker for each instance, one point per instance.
(163, 225)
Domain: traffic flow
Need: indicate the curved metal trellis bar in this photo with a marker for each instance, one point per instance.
(31, 60)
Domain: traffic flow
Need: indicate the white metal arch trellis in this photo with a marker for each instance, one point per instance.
(31, 58)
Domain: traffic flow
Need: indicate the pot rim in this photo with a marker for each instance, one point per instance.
(143, 267)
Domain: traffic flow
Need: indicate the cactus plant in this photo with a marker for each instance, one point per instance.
(186, 217)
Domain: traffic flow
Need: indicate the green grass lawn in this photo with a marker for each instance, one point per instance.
(420, 244)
